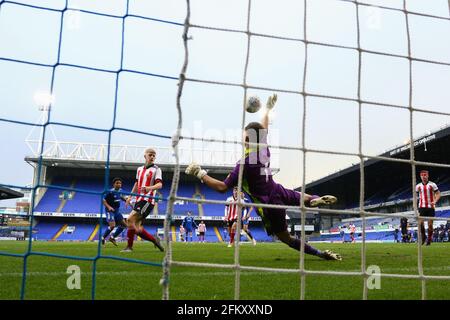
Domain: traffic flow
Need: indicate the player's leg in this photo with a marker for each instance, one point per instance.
(422, 230)
(247, 231)
(430, 231)
(422, 213)
(275, 223)
(292, 198)
(295, 243)
(147, 209)
(131, 222)
(121, 225)
(232, 233)
(110, 228)
(431, 213)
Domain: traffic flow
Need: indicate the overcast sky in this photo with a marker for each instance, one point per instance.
(147, 103)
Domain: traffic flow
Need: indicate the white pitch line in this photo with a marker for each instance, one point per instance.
(192, 274)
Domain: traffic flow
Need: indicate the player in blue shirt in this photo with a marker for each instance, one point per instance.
(113, 216)
(245, 219)
(189, 224)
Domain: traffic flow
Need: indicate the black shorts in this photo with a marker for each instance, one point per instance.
(426, 212)
(274, 220)
(404, 231)
(143, 208)
(231, 222)
(202, 233)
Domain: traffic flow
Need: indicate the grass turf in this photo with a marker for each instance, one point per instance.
(47, 276)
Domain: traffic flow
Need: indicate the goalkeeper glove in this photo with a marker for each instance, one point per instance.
(195, 170)
(271, 101)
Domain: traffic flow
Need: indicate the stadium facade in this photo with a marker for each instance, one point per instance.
(73, 180)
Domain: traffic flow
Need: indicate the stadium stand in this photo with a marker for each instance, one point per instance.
(47, 230)
(50, 202)
(81, 232)
(82, 202)
(387, 188)
(386, 180)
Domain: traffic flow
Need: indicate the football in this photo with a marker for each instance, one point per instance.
(253, 104)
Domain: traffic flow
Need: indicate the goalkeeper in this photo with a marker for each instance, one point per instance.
(258, 183)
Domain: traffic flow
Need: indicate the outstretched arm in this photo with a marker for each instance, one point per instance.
(195, 170)
(215, 184)
(269, 106)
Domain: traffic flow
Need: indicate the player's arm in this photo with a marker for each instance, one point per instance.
(195, 170)
(156, 186)
(215, 184)
(158, 181)
(247, 214)
(269, 106)
(437, 196)
(106, 204)
(133, 190)
(249, 210)
(225, 212)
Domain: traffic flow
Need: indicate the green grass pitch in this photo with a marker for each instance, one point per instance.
(47, 276)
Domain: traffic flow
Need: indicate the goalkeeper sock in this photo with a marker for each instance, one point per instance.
(296, 243)
(146, 236)
(117, 232)
(107, 232)
(130, 235)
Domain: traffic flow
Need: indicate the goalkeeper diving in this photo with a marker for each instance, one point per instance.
(258, 183)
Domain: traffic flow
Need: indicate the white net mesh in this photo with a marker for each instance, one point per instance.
(237, 267)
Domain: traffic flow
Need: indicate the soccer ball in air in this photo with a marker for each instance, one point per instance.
(253, 104)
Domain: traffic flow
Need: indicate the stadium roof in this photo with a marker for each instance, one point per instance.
(6, 193)
(89, 164)
(128, 157)
(124, 157)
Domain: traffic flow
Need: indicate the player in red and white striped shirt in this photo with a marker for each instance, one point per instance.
(148, 180)
(429, 195)
(231, 214)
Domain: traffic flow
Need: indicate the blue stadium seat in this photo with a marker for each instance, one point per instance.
(46, 230)
(81, 233)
